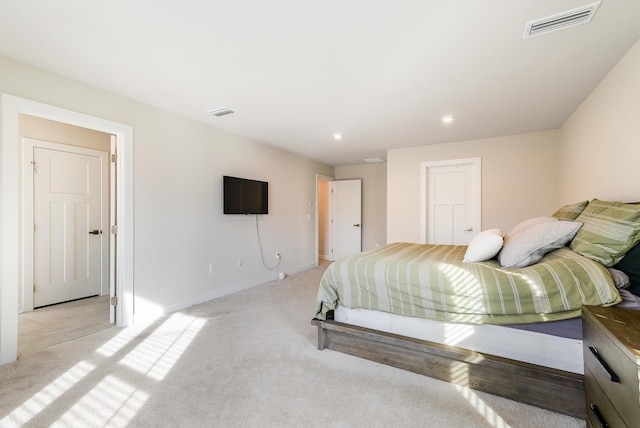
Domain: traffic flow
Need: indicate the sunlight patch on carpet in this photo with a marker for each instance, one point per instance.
(110, 348)
(112, 402)
(158, 353)
(490, 415)
(47, 395)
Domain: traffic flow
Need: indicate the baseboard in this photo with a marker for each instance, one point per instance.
(146, 312)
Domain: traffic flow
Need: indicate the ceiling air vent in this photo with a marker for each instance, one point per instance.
(220, 111)
(560, 21)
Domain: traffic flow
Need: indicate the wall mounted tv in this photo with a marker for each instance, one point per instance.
(243, 196)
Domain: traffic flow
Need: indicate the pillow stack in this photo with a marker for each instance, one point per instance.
(528, 242)
(607, 232)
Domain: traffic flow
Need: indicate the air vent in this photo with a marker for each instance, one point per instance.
(221, 111)
(560, 21)
(373, 160)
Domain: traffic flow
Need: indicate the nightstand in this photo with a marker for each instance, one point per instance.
(611, 341)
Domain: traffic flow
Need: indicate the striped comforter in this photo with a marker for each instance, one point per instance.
(432, 281)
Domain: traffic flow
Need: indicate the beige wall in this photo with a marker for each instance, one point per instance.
(178, 167)
(56, 132)
(594, 155)
(374, 200)
(519, 180)
(600, 153)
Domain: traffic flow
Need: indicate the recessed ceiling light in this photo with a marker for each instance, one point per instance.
(447, 119)
(337, 137)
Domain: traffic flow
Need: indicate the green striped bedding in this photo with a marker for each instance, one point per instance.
(432, 281)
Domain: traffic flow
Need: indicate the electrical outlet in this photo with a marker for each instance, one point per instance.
(212, 268)
(240, 262)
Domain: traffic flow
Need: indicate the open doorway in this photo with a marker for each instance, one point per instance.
(66, 196)
(323, 230)
(12, 227)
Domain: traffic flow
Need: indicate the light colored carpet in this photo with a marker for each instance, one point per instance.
(245, 360)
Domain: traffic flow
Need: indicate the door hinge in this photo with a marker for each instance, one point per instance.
(34, 287)
(113, 301)
(114, 229)
(114, 157)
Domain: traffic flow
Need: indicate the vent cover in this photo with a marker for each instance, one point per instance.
(373, 160)
(560, 21)
(221, 111)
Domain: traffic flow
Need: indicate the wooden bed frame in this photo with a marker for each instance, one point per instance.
(544, 387)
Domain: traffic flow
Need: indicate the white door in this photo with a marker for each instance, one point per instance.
(346, 217)
(70, 216)
(453, 201)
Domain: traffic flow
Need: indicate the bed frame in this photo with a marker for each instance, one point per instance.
(544, 387)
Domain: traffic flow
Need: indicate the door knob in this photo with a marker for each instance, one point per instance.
(468, 229)
(95, 232)
(356, 225)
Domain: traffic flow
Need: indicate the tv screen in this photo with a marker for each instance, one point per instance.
(243, 196)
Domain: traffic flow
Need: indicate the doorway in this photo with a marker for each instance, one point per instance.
(338, 218)
(346, 218)
(13, 255)
(451, 201)
(323, 231)
(66, 194)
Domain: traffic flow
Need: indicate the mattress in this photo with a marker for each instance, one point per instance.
(549, 348)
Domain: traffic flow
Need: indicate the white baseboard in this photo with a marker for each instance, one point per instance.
(146, 313)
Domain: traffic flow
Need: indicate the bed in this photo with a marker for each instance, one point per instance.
(505, 324)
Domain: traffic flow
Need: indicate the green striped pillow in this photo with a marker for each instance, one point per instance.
(570, 212)
(609, 230)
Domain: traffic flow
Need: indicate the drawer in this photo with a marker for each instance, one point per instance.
(600, 411)
(624, 393)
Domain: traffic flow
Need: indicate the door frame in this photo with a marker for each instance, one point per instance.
(476, 163)
(28, 191)
(333, 224)
(12, 248)
(320, 177)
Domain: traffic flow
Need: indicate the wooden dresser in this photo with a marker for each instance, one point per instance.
(611, 340)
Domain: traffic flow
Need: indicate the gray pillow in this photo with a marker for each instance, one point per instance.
(529, 246)
(527, 224)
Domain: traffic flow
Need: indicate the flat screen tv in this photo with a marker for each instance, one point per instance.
(243, 196)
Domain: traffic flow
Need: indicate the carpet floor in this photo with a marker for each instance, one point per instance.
(244, 360)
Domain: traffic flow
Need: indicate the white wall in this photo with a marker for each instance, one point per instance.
(178, 168)
(374, 200)
(601, 141)
(519, 180)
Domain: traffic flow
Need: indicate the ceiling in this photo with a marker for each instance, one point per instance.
(381, 73)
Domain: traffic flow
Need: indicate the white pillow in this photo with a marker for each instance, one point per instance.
(527, 224)
(530, 245)
(484, 246)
